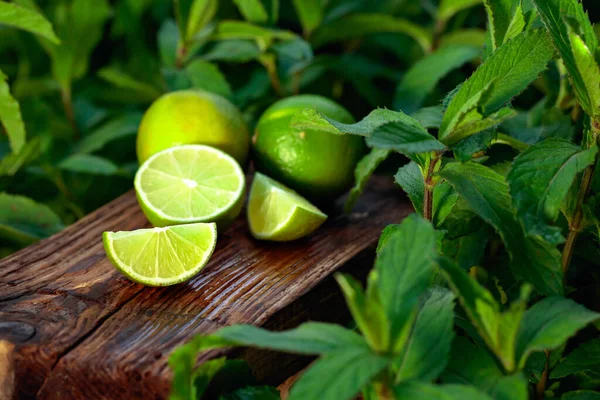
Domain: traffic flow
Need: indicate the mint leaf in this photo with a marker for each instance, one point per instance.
(27, 19)
(554, 13)
(540, 179)
(363, 171)
(339, 375)
(308, 338)
(487, 194)
(193, 15)
(23, 221)
(240, 30)
(10, 116)
(426, 352)
(362, 24)
(206, 76)
(549, 324)
(589, 70)
(88, 164)
(498, 329)
(585, 358)
(424, 391)
(119, 127)
(429, 117)
(310, 13)
(404, 270)
(468, 129)
(424, 75)
(252, 10)
(410, 178)
(449, 8)
(506, 20)
(234, 51)
(189, 382)
(511, 68)
(469, 364)
(123, 80)
(404, 138)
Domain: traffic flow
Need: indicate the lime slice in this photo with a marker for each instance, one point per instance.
(277, 213)
(188, 184)
(161, 256)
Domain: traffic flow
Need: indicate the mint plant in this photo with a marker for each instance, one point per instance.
(505, 203)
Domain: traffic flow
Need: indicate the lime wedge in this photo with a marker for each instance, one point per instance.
(188, 184)
(161, 256)
(277, 213)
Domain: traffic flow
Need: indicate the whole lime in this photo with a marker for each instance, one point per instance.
(317, 164)
(193, 117)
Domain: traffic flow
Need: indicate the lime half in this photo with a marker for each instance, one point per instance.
(188, 184)
(161, 256)
(277, 213)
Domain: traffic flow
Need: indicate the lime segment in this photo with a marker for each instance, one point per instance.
(188, 184)
(161, 256)
(277, 213)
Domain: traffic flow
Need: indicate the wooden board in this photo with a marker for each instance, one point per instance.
(83, 331)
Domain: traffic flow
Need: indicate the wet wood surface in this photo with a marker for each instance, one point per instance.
(83, 331)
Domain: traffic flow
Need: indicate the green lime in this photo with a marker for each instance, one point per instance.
(192, 183)
(193, 117)
(319, 165)
(277, 213)
(161, 256)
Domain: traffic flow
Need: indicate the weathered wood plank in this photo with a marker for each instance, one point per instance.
(83, 331)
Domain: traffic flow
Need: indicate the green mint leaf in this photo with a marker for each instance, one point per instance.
(506, 20)
(538, 124)
(470, 364)
(585, 358)
(23, 221)
(123, 80)
(549, 324)
(498, 329)
(88, 164)
(540, 179)
(449, 8)
(363, 171)
(468, 36)
(339, 375)
(80, 28)
(357, 25)
(253, 393)
(240, 30)
(466, 148)
(116, 128)
(366, 310)
(444, 200)
(404, 138)
(487, 193)
(405, 266)
(581, 395)
(510, 68)
(589, 71)
(252, 10)
(27, 19)
(10, 116)
(410, 178)
(429, 117)
(168, 37)
(554, 14)
(424, 75)
(206, 76)
(469, 129)
(468, 250)
(190, 383)
(193, 15)
(426, 391)
(308, 338)
(427, 350)
(13, 162)
(310, 13)
(234, 51)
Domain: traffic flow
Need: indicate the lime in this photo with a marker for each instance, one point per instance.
(192, 183)
(277, 213)
(319, 165)
(193, 117)
(161, 256)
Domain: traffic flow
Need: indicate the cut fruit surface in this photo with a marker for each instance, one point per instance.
(277, 213)
(161, 256)
(188, 184)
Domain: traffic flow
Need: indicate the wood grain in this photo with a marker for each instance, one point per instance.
(82, 331)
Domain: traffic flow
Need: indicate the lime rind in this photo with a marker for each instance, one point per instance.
(174, 187)
(199, 253)
(277, 213)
